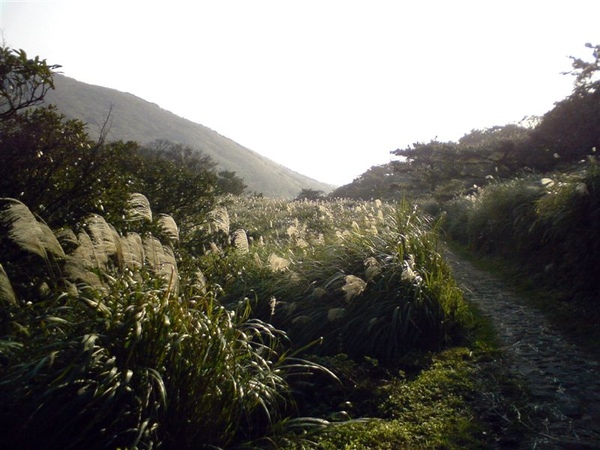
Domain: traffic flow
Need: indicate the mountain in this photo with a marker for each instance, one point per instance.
(135, 119)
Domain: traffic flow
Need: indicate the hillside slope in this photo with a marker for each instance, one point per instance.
(135, 119)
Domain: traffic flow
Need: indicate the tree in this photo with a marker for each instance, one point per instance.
(24, 81)
(229, 183)
(587, 73)
(571, 130)
(379, 182)
(310, 194)
(178, 181)
(496, 152)
(51, 165)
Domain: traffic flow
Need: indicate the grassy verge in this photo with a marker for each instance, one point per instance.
(459, 398)
(540, 235)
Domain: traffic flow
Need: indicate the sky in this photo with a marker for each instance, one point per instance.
(327, 88)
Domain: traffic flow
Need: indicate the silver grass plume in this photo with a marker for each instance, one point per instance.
(26, 231)
(86, 254)
(153, 251)
(138, 208)
(169, 228)
(83, 260)
(354, 286)
(240, 241)
(162, 260)
(277, 263)
(96, 245)
(200, 281)
(7, 294)
(68, 239)
(219, 220)
(133, 251)
(104, 237)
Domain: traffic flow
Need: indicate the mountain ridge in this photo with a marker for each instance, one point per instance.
(132, 118)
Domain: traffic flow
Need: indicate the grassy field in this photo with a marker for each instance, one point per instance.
(275, 325)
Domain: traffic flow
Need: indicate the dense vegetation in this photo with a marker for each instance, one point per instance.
(207, 319)
(527, 193)
(145, 303)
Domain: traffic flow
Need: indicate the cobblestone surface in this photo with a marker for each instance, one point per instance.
(562, 380)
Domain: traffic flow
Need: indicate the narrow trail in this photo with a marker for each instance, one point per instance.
(562, 380)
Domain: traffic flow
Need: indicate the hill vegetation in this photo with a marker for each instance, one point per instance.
(134, 119)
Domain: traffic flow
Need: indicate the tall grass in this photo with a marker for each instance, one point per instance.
(142, 338)
(548, 225)
(360, 278)
(106, 350)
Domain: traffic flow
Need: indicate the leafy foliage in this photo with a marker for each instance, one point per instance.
(310, 194)
(25, 81)
(444, 170)
(428, 410)
(49, 162)
(180, 181)
(229, 183)
(586, 72)
(570, 131)
(379, 182)
(478, 157)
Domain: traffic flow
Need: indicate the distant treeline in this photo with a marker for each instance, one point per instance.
(568, 133)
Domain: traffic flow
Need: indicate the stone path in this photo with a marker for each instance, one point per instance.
(563, 382)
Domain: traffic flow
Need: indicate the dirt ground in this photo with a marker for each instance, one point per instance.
(561, 381)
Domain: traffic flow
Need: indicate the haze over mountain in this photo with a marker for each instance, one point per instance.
(135, 119)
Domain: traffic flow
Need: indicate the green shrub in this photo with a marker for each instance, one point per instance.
(431, 410)
(568, 223)
(547, 225)
(499, 221)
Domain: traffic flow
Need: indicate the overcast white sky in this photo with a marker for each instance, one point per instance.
(325, 87)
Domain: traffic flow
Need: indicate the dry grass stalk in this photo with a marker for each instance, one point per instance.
(354, 286)
(133, 250)
(7, 294)
(219, 220)
(161, 259)
(26, 231)
(139, 208)
(277, 263)
(240, 241)
(169, 228)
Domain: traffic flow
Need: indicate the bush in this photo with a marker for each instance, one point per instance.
(548, 226)
(568, 223)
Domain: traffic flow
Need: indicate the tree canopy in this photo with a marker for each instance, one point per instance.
(310, 194)
(50, 163)
(25, 81)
